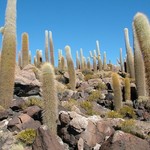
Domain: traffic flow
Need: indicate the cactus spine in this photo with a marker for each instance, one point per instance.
(142, 30)
(139, 67)
(127, 89)
(71, 69)
(50, 97)
(130, 61)
(25, 49)
(51, 48)
(46, 46)
(117, 91)
(8, 55)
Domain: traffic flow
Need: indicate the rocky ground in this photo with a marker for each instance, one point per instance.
(85, 120)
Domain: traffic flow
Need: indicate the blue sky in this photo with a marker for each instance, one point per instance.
(78, 23)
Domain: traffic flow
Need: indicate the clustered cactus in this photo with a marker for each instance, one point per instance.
(138, 66)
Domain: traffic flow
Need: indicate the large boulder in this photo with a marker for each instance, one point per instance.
(45, 140)
(124, 141)
(26, 82)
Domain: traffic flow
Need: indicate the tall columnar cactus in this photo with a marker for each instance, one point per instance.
(51, 48)
(77, 60)
(49, 90)
(104, 62)
(30, 57)
(117, 91)
(46, 46)
(25, 49)
(88, 63)
(71, 69)
(84, 62)
(120, 61)
(130, 58)
(19, 60)
(59, 58)
(63, 63)
(81, 59)
(35, 61)
(94, 61)
(98, 56)
(8, 55)
(39, 58)
(139, 67)
(142, 30)
(127, 89)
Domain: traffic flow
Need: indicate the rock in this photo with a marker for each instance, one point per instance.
(64, 119)
(17, 104)
(6, 140)
(124, 141)
(45, 140)
(3, 114)
(94, 82)
(96, 132)
(34, 112)
(22, 122)
(79, 124)
(80, 144)
(26, 83)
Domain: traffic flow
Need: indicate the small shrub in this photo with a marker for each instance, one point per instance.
(87, 72)
(27, 136)
(88, 77)
(128, 125)
(101, 86)
(114, 114)
(95, 95)
(31, 101)
(127, 111)
(88, 107)
(70, 103)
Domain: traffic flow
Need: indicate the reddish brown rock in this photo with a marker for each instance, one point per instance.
(45, 140)
(124, 141)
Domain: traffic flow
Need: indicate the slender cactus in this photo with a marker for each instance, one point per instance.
(49, 91)
(77, 60)
(71, 69)
(46, 46)
(130, 60)
(88, 63)
(35, 61)
(120, 62)
(139, 67)
(81, 59)
(39, 58)
(104, 62)
(51, 48)
(98, 56)
(30, 57)
(127, 89)
(142, 30)
(117, 91)
(19, 60)
(8, 56)
(94, 61)
(25, 49)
